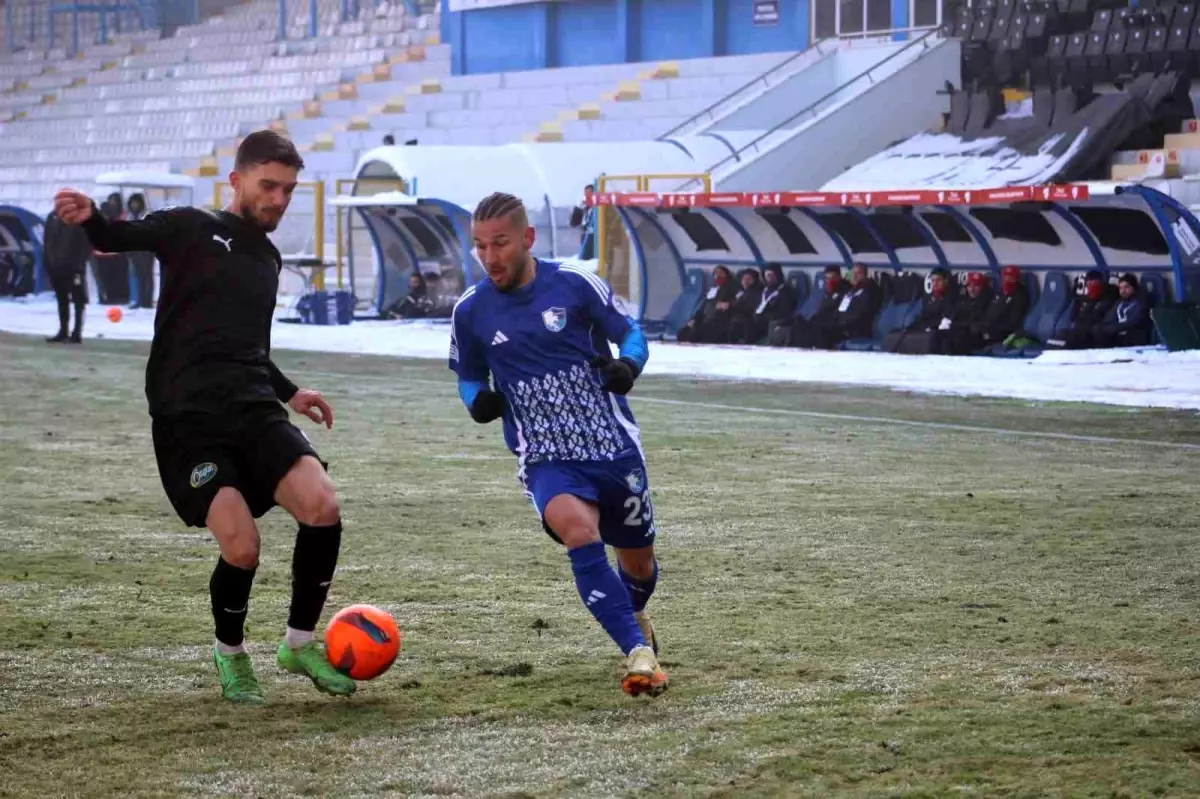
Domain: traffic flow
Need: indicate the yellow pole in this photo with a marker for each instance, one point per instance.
(319, 232)
(216, 198)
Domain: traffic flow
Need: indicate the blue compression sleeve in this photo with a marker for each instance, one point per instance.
(634, 346)
(469, 390)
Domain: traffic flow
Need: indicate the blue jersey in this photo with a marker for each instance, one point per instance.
(536, 343)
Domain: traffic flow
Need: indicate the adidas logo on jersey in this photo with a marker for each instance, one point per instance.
(499, 338)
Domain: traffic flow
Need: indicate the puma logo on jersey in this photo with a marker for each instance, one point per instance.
(227, 242)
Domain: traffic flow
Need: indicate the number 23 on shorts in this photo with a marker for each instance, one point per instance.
(639, 510)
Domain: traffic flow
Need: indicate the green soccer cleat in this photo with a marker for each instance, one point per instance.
(310, 661)
(238, 683)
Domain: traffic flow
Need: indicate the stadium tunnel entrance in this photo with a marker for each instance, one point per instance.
(675, 240)
(413, 236)
(22, 266)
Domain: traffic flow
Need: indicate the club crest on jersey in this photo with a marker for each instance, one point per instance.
(555, 319)
(202, 474)
(636, 481)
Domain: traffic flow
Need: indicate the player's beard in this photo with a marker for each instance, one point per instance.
(517, 275)
(249, 213)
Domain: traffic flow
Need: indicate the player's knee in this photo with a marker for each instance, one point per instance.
(241, 551)
(637, 563)
(319, 508)
(576, 534)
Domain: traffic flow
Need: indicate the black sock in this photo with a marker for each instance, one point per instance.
(313, 562)
(229, 588)
(78, 331)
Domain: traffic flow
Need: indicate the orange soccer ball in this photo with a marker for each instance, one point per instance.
(114, 314)
(362, 641)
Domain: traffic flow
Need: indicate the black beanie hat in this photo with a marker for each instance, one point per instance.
(1131, 279)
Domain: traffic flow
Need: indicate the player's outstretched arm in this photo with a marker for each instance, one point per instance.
(153, 233)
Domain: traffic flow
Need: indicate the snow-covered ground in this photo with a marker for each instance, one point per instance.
(1140, 378)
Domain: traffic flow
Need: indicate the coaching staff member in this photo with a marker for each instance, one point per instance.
(225, 448)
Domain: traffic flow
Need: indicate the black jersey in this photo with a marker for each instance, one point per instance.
(212, 329)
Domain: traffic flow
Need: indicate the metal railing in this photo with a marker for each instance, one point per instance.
(813, 107)
(821, 48)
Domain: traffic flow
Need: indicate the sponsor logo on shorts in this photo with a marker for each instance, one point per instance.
(202, 474)
(636, 481)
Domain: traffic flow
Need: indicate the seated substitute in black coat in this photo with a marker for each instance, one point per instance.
(1004, 315)
(776, 304)
(744, 304)
(1087, 312)
(852, 317)
(801, 332)
(1127, 323)
(711, 322)
(930, 332)
(969, 311)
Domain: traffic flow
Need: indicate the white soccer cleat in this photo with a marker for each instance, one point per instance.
(643, 675)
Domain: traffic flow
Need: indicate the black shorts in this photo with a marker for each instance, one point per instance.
(250, 449)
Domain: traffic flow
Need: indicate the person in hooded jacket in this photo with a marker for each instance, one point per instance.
(710, 324)
(744, 305)
(1087, 312)
(416, 304)
(777, 304)
(1004, 315)
(930, 331)
(1127, 323)
(141, 264)
(112, 269)
(66, 252)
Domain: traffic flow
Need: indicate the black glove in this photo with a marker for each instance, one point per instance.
(618, 375)
(488, 406)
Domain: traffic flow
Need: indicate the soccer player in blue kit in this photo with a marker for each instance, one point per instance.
(540, 331)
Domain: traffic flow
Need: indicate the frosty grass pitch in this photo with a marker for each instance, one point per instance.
(854, 608)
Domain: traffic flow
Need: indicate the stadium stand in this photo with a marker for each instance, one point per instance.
(174, 104)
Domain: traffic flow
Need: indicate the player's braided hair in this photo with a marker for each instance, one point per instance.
(499, 205)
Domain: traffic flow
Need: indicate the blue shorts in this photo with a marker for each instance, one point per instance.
(620, 489)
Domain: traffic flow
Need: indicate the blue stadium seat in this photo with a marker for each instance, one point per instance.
(812, 302)
(684, 307)
(1154, 289)
(1044, 316)
(901, 305)
(799, 282)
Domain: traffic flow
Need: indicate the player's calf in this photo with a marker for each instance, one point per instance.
(638, 569)
(307, 493)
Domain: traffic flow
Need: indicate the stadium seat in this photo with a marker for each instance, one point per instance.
(798, 280)
(1154, 291)
(684, 307)
(812, 302)
(1135, 51)
(1044, 315)
(1156, 48)
(901, 304)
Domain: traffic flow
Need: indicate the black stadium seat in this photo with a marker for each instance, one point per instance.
(1184, 14)
(1097, 60)
(1045, 69)
(1194, 46)
(1156, 47)
(1077, 71)
(1101, 21)
(1135, 51)
(1115, 50)
(1178, 56)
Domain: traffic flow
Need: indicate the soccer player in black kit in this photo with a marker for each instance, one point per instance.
(226, 451)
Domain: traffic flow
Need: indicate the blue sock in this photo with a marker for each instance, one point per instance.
(605, 595)
(640, 591)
